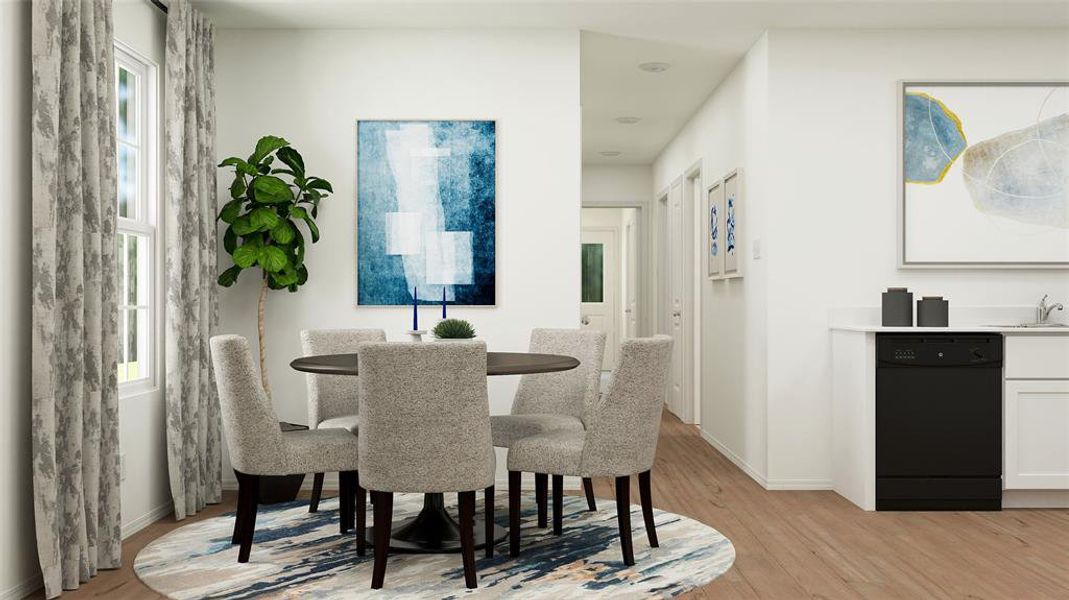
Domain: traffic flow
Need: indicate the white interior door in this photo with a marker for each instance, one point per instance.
(676, 300)
(599, 269)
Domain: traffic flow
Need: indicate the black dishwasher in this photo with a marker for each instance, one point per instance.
(938, 421)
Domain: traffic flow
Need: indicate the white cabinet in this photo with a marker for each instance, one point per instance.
(1036, 419)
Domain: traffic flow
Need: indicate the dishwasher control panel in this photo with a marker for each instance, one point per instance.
(941, 350)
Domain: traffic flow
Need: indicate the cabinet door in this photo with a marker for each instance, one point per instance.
(1036, 449)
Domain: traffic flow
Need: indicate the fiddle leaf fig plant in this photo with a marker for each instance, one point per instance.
(272, 198)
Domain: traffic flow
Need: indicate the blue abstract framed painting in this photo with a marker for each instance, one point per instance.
(984, 174)
(732, 217)
(426, 221)
(714, 239)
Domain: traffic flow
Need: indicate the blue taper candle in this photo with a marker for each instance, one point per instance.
(443, 301)
(415, 311)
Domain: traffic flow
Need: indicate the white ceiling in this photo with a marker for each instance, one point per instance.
(702, 39)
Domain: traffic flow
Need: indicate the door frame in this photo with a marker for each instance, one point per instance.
(647, 323)
(694, 206)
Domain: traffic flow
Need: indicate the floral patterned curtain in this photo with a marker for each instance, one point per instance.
(194, 453)
(75, 322)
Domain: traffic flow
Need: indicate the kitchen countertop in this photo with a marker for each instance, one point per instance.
(956, 328)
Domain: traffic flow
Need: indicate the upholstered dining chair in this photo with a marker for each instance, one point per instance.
(332, 398)
(258, 447)
(620, 440)
(425, 427)
(560, 401)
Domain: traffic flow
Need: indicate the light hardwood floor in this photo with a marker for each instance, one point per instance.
(801, 544)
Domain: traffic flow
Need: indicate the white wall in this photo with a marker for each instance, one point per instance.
(18, 570)
(146, 492)
(730, 131)
(831, 239)
(311, 89)
(615, 185)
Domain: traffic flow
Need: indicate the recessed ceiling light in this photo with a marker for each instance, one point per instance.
(655, 67)
(610, 153)
(628, 120)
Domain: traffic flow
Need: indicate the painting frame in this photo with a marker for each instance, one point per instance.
(734, 224)
(713, 230)
(430, 299)
(904, 262)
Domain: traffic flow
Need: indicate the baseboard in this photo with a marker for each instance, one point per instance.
(1035, 499)
(798, 484)
(21, 590)
(147, 519)
(734, 458)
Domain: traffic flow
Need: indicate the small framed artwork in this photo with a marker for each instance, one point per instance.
(983, 174)
(733, 221)
(714, 232)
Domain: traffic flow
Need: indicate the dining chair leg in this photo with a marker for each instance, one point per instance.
(514, 513)
(541, 479)
(248, 520)
(588, 487)
(466, 500)
(383, 520)
(488, 509)
(647, 507)
(346, 499)
(317, 493)
(558, 504)
(361, 518)
(623, 517)
(239, 526)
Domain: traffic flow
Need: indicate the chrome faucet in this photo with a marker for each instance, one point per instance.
(1043, 310)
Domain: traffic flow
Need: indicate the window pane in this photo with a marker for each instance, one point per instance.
(127, 95)
(122, 345)
(127, 181)
(132, 267)
(132, 354)
(593, 258)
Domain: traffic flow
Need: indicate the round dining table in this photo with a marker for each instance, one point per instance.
(434, 529)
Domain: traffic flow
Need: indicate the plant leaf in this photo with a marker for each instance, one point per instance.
(230, 240)
(272, 259)
(266, 145)
(240, 165)
(237, 189)
(271, 190)
(247, 254)
(298, 212)
(231, 211)
(264, 219)
(283, 233)
(286, 277)
(320, 184)
(229, 276)
(313, 229)
(243, 226)
(293, 160)
(302, 275)
(284, 172)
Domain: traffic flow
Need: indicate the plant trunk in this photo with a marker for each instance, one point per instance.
(260, 306)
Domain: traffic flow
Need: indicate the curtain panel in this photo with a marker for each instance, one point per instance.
(194, 453)
(74, 343)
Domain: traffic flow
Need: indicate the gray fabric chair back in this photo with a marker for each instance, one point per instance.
(332, 396)
(622, 436)
(572, 392)
(250, 424)
(424, 417)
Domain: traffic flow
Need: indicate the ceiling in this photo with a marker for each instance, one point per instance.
(701, 39)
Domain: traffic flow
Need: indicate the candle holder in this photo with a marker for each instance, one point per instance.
(416, 334)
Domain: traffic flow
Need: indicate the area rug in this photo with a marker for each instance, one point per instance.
(298, 554)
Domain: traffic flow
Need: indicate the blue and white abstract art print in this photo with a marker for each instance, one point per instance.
(426, 194)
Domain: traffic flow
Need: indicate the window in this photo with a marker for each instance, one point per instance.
(593, 272)
(135, 80)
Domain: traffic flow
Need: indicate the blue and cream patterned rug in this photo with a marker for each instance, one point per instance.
(298, 554)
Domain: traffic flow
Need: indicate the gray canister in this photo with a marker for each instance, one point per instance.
(933, 311)
(897, 308)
